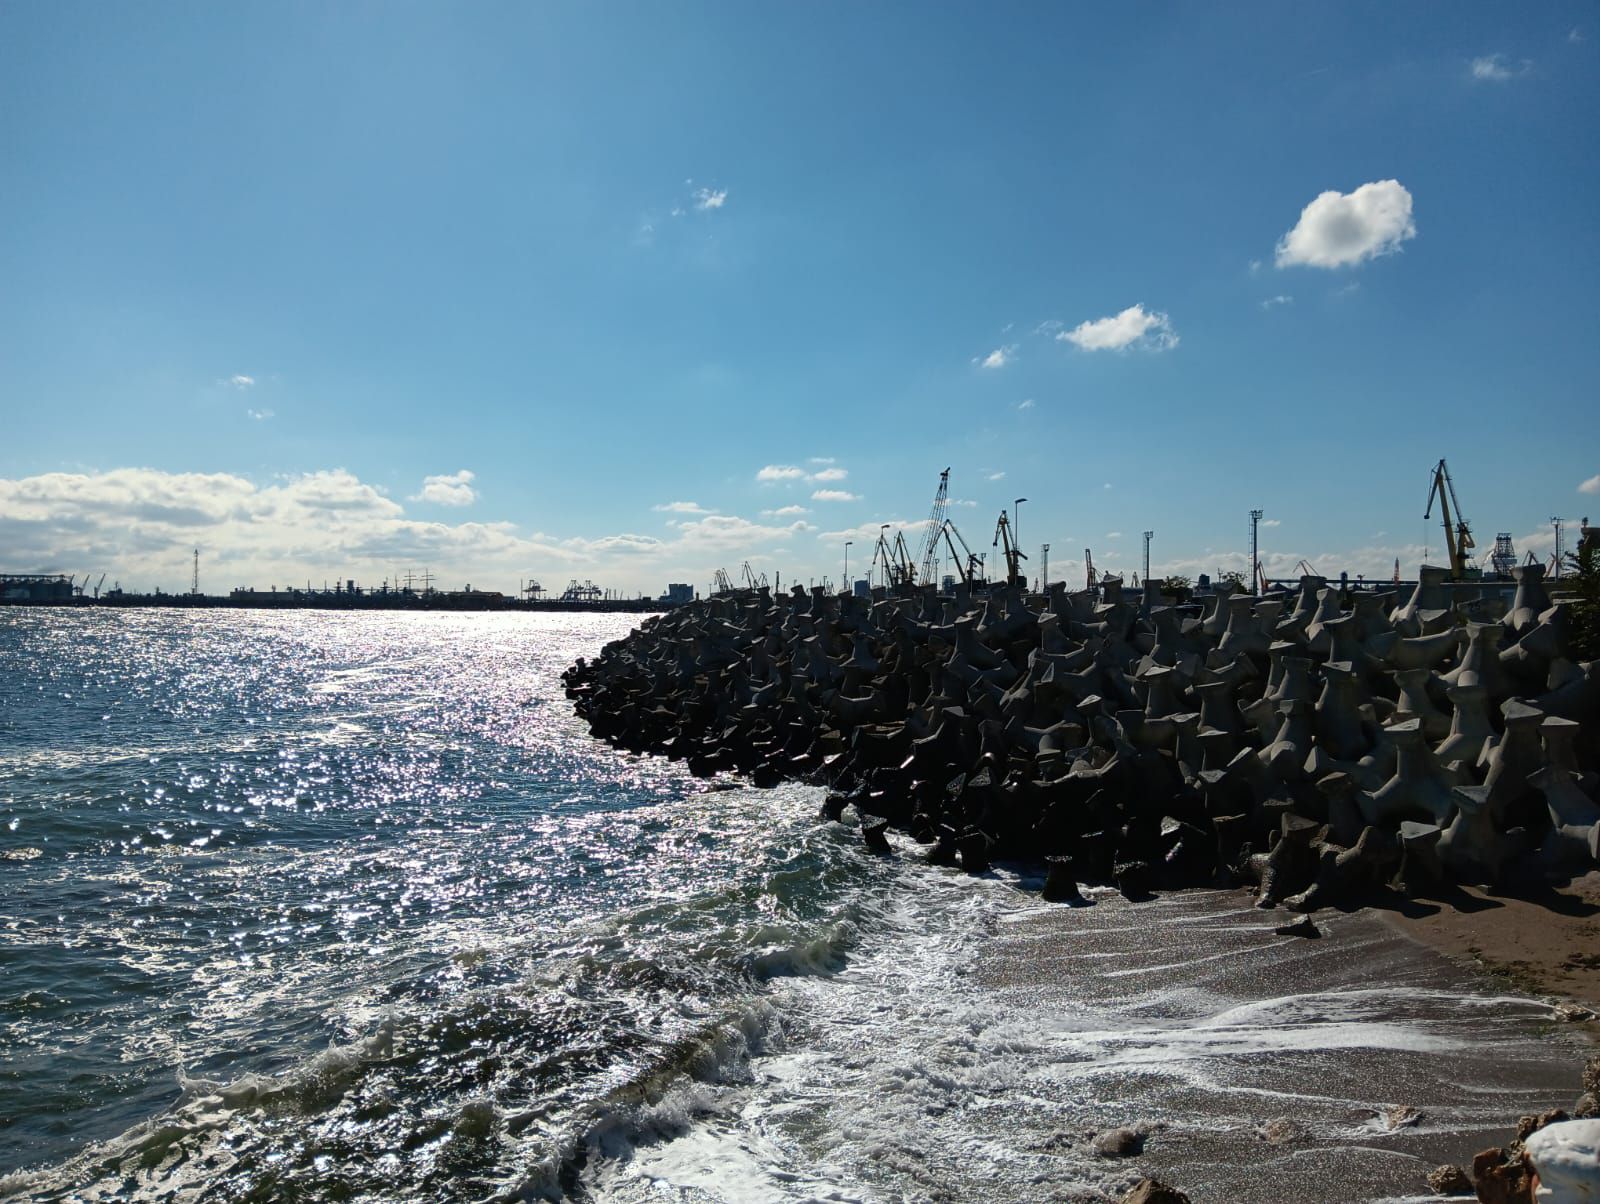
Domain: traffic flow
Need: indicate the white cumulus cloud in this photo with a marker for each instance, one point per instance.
(834, 495)
(1592, 485)
(1338, 229)
(781, 472)
(830, 474)
(1133, 327)
(1025, 404)
(1274, 302)
(998, 358)
(710, 198)
(448, 489)
(241, 381)
(785, 512)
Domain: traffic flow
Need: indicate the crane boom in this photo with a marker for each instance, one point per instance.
(1457, 534)
(928, 551)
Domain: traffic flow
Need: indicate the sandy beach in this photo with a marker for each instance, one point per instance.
(1545, 944)
(1292, 1069)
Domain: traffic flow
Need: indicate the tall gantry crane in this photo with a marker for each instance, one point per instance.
(928, 552)
(1013, 554)
(1457, 535)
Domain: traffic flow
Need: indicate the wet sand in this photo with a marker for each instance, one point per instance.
(1274, 1069)
(1547, 944)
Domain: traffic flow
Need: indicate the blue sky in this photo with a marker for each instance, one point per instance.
(505, 290)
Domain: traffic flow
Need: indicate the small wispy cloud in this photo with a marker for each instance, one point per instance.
(1496, 69)
(961, 501)
(1113, 534)
(1255, 266)
(998, 358)
(1274, 302)
(784, 512)
(1107, 485)
(997, 476)
(1272, 522)
(1574, 34)
(448, 489)
(261, 415)
(241, 381)
(1592, 485)
(1025, 404)
(710, 198)
(682, 508)
(1133, 327)
(834, 495)
(773, 474)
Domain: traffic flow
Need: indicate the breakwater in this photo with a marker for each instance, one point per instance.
(1330, 747)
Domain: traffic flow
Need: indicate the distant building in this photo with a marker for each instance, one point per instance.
(863, 588)
(35, 587)
(678, 594)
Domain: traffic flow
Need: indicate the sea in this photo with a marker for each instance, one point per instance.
(335, 906)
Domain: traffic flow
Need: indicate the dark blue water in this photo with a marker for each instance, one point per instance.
(322, 907)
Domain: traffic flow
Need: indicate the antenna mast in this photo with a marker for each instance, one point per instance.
(194, 581)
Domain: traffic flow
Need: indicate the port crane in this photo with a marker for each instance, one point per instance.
(724, 585)
(895, 558)
(928, 551)
(752, 580)
(969, 565)
(1457, 535)
(1088, 570)
(1013, 554)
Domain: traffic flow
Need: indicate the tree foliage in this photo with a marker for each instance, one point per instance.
(1582, 580)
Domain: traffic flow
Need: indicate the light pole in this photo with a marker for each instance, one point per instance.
(1255, 552)
(1148, 536)
(883, 568)
(1016, 521)
(847, 544)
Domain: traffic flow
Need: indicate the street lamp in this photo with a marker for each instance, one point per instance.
(883, 571)
(1016, 521)
(847, 544)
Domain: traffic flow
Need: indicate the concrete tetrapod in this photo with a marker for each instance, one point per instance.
(992, 723)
